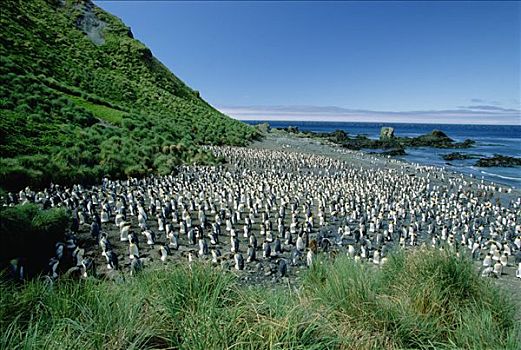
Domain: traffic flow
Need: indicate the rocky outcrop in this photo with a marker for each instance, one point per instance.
(386, 133)
(499, 161)
(459, 156)
(90, 24)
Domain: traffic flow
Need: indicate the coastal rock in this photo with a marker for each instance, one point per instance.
(499, 161)
(386, 133)
(459, 156)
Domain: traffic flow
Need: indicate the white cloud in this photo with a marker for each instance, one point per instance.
(478, 114)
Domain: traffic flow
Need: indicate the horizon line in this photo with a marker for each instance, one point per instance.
(365, 122)
(484, 114)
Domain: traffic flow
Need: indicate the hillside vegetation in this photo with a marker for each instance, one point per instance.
(81, 99)
(419, 300)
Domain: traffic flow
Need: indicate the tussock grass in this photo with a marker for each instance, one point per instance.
(420, 300)
(106, 113)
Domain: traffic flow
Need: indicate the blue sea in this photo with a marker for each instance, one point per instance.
(490, 140)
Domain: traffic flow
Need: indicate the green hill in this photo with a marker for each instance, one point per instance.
(81, 98)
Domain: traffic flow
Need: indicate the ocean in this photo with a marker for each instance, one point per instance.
(490, 140)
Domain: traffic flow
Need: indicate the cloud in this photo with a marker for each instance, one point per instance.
(475, 114)
(490, 108)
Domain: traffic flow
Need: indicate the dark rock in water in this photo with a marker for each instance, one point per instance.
(459, 156)
(437, 139)
(386, 133)
(499, 161)
(388, 140)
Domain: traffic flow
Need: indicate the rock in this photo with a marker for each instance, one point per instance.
(90, 24)
(386, 133)
(499, 161)
(458, 156)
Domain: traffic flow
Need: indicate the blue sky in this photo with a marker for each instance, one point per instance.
(424, 61)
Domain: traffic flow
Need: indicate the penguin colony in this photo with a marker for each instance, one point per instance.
(268, 213)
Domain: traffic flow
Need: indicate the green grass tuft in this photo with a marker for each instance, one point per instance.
(341, 305)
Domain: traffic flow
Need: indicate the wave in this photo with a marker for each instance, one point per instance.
(501, 176)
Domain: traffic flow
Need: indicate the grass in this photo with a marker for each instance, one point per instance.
(108, 114)
(419, 300)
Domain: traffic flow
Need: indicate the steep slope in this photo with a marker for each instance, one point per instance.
(80, 99)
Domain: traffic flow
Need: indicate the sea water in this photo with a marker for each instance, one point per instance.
(490, 140)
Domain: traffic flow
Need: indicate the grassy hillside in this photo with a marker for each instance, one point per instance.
(419, 300)
(80, 98)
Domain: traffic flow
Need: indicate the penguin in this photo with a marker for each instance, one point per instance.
(278, 246)
(266, 250)
(124, 231)
(487, 262)
(164, 251)
(149, 234)
(112, 260)
(174, 241)
(310, 257)
(88, 268)
(498, 269)
(104, 244)
(133, 250)
(251, 254)
(203, 247)
(253, 241)
(295, 256)
(53, 267)
(283, 268)
(234, 245)
(239, 261)
(300, 244)
(77, 256)
(17, 270)
(216, 254)
(488, 272)
(504, 259)
(288, 239)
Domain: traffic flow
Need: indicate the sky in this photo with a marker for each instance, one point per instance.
(426, 61)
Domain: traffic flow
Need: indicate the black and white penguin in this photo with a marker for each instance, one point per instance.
(278, 246)
(203, 247)
(17, 269)
(164, 251)
(77, 256)
(112, 260)
(266, 250)
(216, 254)
(133, 250)
(310, 257)
(234, 245)
(251, 254)
(150, 235)
(283, 268)
(88, 268)
(239, 261)
(253, 241)
(295, 256)
(174, 241)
